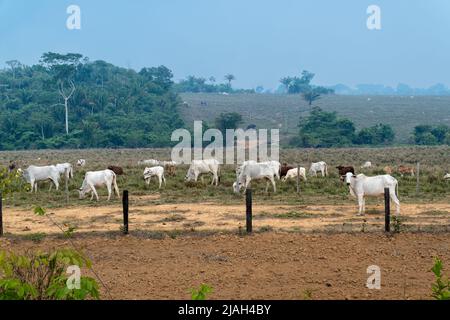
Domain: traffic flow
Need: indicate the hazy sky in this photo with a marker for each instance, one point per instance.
(258, 41)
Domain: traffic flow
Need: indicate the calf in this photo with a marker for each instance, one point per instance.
(406, 170)
(293, 173)
(81, 163)
(154, 172)
(361, 186)
(170, 169)
(366, 165)
(199, 167)
(117, 170)
(94, 179)
(284, 170)
(318, 166)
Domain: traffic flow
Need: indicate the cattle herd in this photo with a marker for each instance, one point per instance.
(359, 185)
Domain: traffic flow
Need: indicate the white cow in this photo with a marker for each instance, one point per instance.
(62, 167)
(94, 179)
(275, 165)
(154, 172)
(34, 174)
(366, 165)
(447, 176)
(81, 163)
(199, 167)
(361, 186)
(293, 173)
(255, 171)
(150, 162)
(168, 163)
(318, 166)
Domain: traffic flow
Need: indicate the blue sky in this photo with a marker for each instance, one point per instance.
(258, 41)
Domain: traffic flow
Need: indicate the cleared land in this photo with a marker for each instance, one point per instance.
(307, 245)
(284, 111)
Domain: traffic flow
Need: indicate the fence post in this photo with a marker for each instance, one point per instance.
(418, 178)
(125, 211)
(298, 178)
(1, 214)
(387, 210)
(248, 204)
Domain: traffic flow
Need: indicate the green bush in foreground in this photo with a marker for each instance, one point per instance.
(441, 288)
(42, 276)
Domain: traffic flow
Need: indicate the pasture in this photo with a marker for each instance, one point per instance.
(284, 111)
(192, 230)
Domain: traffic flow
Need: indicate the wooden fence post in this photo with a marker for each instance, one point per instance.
(387, 210)
(248, 205)
(418, 178)
(125, 211)
(298, 178)
(1, 214)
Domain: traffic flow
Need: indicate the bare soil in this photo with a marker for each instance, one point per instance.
(271, 265)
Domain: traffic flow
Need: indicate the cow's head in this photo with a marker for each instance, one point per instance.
(237, 186)
(81, 193)
(348, 177)
(189, 175)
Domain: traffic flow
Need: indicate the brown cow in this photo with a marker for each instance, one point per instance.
(284, 170)
(344, 169)
(406, 170)
(170, 170)
(117, 170)
(12, 166)
(387, 170)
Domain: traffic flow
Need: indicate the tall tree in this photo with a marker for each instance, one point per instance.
(63, 68)
(311, 95)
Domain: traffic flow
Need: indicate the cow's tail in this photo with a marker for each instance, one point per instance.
(218, 173)
(326, 169)
(116, 188)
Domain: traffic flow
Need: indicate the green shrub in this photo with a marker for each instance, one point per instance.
(441, 287)
(201, 293)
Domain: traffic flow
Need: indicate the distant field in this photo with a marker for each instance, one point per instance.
(284, 111)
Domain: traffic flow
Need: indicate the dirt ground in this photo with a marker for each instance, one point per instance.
(206, 217)
(271, 265)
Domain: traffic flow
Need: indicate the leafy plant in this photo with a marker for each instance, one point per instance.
(397, 223)
(42, 276)
(201, 293)
(441, 287)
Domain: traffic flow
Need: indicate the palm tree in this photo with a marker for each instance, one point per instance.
(229, 77)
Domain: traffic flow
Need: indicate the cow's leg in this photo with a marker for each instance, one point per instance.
(273, 184)
(148, 180)
(92, 195)
(94, 191)
(109, 187)
(360, 204)
(394, 198)
(160, 181)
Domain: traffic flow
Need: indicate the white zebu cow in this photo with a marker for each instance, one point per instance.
(199, 167)
(361, 186)
(168, 163)
(447, 176)
(94, 179)
(255, 171)
(318, 166)
(275, 165)
(62, 167)
(366, 165)
(81, 163)
(154, 172)
(150, 162)
(293, 173)
(34, 174)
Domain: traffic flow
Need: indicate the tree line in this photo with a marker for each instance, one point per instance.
(67, 101)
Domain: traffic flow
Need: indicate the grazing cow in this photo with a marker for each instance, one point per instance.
(154, 172)
(275, 165)
(388, 170)
(168, 163)
(117, 170)
(199, 167)
(34, 174)
(344, 169)
(447, 176)
(406, 170)
(150, 162)
(255, 171)
(318, 166)
(284, 170)
(367, 165)
(293, 173)
(81, 163)
(94, 179)
(361, 186)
